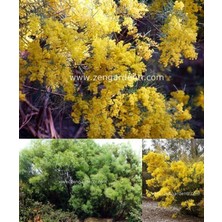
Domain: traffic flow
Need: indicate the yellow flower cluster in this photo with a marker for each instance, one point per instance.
(174, 179)
(180, 96)
(129, 10)
(143, 50)
(79, 31)
(114, 60)
(143, 113)
(21, 96)
(132, 8)
(59, 37)
(181, 113)
(178, 5)
(179, 34)
(188, 204)
(199, 101)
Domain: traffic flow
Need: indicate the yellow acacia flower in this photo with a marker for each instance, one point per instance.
(174, 216)
(180, 169)
(64, 36)
(34, 24)
(21, 96)
(172, 179)
(182, 115)
(179, 34)
(200, 100)
(188, 204)
(133, 8)
(178, 5)
(185, 133)
(144, 50)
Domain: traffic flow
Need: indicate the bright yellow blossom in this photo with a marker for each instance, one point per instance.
(63, 37)
(174, 181)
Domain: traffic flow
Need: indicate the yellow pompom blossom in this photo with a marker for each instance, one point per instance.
(140, 114)
(180, 169)
(174, 181)
(174, 216)
(199, 100)
(188, 204)
(185, 133)
(21, 96)
(178, 102)
(180, 96)
(181, 113)
(179, 34)
(132, 8)
(156, 160)
(34, 24)
(178, 5)
(78, 32)
(143, 50)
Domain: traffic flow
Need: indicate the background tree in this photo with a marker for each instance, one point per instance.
(145, 174)
(192, 149)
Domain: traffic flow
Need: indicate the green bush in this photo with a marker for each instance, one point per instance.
(30, 209)
(79, 175)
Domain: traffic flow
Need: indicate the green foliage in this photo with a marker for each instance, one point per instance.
(79, 175)
(134, 215)
(30, 209)
(46, 213)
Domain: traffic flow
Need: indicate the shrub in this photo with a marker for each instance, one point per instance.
(79, 175)
(177, 182)
(31, 210)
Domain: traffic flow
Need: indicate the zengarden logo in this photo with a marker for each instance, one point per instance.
(111, 78)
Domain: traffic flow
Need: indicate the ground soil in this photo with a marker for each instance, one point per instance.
(153, 213)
